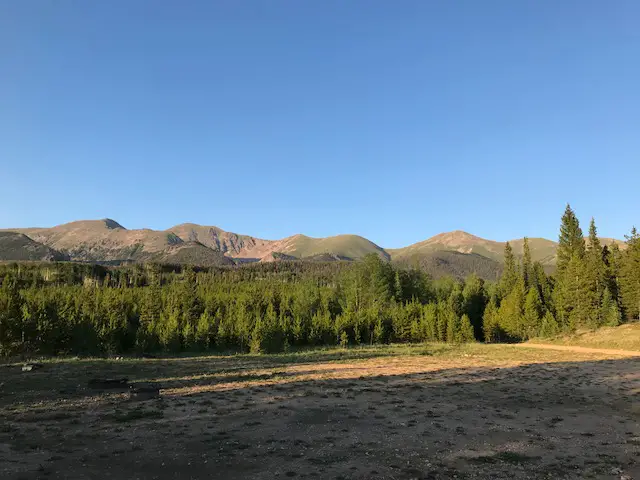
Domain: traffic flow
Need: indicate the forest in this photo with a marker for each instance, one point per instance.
(82, 309)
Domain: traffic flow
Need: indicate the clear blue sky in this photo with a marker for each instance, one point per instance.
(392, 120)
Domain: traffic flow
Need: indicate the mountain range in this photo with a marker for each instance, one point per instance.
(106, 241)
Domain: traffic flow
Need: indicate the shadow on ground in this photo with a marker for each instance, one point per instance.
(375, 418)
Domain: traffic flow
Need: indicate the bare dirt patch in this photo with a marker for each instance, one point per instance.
(421, 412)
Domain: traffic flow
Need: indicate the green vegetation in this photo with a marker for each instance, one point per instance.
(592, 287)
(346, 246)
(446, 263)
(264, 308)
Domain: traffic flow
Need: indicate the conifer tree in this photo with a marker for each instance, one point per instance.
(453, 326)
(490, 324)
(398, 287)
(527, 265)
(510, 313)
(595, 273)
(533, 310)
(549, 327)
(474, 302)
(572, 296)
(572, 300)
(613, 260)
(609, 311)
(509, 273)
(204, 330)
(430, 321)
(542, 282)
(571, 240)
(630, 276)
(466, 329)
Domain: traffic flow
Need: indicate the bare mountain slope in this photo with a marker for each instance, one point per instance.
(296, 246)
(458, 253)
(229, 243)
(19, 247)
(101, 240)
(542, 250)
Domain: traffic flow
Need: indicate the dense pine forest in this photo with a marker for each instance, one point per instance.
(70, 308)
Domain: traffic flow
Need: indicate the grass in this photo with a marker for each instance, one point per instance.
(137, 414)
(506, 457)
(623, 337)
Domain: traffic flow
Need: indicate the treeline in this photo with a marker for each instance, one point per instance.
(86, 309)
(63, 308)
(593, 286)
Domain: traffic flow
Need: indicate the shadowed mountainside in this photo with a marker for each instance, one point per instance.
(19, 247)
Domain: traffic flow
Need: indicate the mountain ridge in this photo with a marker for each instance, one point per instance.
(107, 240)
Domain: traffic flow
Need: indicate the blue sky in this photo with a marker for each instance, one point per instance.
(392, 120)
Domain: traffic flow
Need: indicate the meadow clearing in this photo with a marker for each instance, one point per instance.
(429, 411)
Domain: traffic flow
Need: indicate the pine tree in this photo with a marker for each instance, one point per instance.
(511, 311)
(474, 302)
(379, 331)
(150, 311)
(571, 240)
(466, 329)
(444, 312)
(204, 330)
(532, 314)
(549, 327)
(613, 260)
(453, 326)
(573, 296)
(509, 273)
(430, 322)
(572, 293)
(490, 324)
(169, 334)
(398, 287)
(595, 272)
(609, 311)
(344, 339)
(542, 282)
(527, 265)
(630, 276)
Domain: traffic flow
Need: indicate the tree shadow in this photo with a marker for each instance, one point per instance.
(437, 419)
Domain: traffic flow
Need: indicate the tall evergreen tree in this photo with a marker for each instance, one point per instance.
(533, 313)
(595, 272)
(490, 322)
(474, 302)
(630, 276)
(509, 276)
(511, 311)
(611, 259)
(572, 301)
(466, 329)
(609, 310)
(527, 265)
(549, 327)
(571, 240)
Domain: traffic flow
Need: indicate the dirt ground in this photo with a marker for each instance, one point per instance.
(421, 412)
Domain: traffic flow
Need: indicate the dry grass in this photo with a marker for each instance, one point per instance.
(624, 337)
(395, 412)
